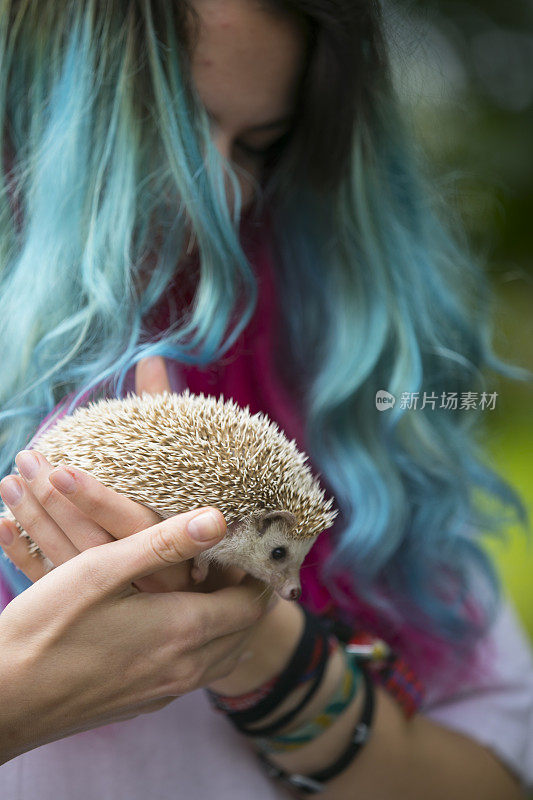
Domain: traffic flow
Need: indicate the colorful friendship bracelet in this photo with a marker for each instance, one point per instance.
(248, 700)
(367, 657)
(343, 696)
(389, 670)
(242, 702)
(377, 662)
(316, 782)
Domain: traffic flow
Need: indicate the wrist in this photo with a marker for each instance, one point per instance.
(323, 750)
(268, 650)
(333, 673)
(273, 646)
(305, 719)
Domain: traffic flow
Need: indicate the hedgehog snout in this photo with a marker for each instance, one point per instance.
(291, 590)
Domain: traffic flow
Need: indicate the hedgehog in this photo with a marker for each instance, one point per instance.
(175, 452)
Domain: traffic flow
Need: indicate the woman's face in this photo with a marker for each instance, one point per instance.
(246, 69)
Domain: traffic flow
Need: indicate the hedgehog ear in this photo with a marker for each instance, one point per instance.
(266, 518)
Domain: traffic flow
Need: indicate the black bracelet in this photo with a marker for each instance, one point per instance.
(283, 721)
(288, 680)
(314, 784)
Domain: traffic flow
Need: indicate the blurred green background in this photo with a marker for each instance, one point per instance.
(464, 72)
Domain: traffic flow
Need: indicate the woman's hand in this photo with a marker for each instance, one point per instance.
(82, 647)
(63, 521)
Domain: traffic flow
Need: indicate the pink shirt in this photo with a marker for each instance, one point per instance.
(187, 750)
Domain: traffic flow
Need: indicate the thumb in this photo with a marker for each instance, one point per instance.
(117, 564)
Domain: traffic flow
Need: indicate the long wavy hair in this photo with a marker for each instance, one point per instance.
(108, 156)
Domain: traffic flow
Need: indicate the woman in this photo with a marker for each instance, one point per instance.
(226, 186)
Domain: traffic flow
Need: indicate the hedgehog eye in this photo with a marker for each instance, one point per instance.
(278, 553)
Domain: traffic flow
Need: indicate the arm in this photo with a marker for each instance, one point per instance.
(82, 647)
(404, 759)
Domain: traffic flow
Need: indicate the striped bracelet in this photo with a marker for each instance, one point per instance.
(343, 696)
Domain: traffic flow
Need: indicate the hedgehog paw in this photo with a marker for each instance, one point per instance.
(199, 570)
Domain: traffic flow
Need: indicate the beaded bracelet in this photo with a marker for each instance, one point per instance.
(316, 782)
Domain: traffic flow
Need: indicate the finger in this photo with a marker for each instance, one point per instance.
(77, 527)
(220, 656)
(116, 516)
(115, 565)
(151, 376)
(265, 595)
(219, 576)
(16, 549)
(31, 516)
(111, 510)
(210, 660)
(229, 610)
(261, 591)
(143, 708)
(175, 578)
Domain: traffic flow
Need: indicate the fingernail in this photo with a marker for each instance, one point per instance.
(11, 491)
(6, 534)
(27, 464)
(63, 480)
(204, 527)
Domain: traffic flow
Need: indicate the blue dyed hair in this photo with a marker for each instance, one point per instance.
(112, 156)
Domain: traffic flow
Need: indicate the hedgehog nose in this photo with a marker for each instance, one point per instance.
(291, 591)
